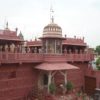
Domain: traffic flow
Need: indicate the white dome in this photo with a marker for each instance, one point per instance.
(52, 30)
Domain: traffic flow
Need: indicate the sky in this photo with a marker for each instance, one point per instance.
(80, 18)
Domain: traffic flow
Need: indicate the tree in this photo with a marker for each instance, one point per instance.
(97, 49)
(98, 63)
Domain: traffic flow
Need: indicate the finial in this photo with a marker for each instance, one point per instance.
(21, 35)
(52, 19)
(83, 38)
(52, 14)
(16, 29)
(7, 25)
(65, 35)
(35, 39)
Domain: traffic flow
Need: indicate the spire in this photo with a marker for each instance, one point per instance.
(51, 14)
(21, 35)
(6, 25)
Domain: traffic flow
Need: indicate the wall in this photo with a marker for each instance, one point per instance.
(83, 68)
(73, 75)
(16, 81)
(98, 78)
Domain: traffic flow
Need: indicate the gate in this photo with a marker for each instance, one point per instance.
(90, 85)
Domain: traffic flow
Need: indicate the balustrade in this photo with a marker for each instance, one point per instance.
(6, 57)
(37, 57)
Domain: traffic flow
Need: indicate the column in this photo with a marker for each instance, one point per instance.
(49, 80)
(61, 47)
(65, 78)
(55, 47)
(46, 46)
(65, 75)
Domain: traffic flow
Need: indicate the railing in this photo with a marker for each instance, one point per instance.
(6, 57)
(68, 57)
(20, 57)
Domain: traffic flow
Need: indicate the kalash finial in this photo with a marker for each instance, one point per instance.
(52, 14)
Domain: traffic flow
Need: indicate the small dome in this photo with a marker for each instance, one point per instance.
(52, 30)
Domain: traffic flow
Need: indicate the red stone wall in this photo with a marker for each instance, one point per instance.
(83, 68)
(16, 81)
(97, 79)
(74, 76)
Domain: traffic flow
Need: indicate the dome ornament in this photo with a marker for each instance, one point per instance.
(52, 15)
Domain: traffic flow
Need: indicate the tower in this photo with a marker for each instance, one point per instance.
(52, 37)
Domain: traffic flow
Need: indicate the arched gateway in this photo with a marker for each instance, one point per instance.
(49, 70)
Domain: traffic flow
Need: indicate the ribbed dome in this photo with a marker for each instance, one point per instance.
(52, 30)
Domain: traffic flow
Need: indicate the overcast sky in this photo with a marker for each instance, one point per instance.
(76, 17)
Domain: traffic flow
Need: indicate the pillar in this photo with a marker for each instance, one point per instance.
(55, 47)
(65, 75)
(65, 78)
(46, 46)
(49, 80)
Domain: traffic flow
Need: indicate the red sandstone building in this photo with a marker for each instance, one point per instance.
(25, 66)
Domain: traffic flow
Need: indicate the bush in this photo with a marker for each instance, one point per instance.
(98, 63)
(69, 86)
(52, 88)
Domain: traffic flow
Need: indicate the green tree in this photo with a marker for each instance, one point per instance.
(98, 63)
(97, 49)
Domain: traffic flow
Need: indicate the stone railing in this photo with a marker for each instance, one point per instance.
(6, 57)
(68, 57)
(20, 57)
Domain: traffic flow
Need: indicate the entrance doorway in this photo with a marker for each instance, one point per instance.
(90, 85)
(45, 79)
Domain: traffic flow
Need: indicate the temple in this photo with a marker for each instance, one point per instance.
(29, 66)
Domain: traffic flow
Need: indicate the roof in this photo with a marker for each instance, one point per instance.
(9, 35)
(34, 43)
(74, 41)
(55, 66)
(52, 30)
(52, 25)
(52, 37)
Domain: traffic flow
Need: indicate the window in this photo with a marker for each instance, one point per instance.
(45, 79)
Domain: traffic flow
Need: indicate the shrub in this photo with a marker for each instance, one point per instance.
(52, 88)
(98, 63)
(69, 86)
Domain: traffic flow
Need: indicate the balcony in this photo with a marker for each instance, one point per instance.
(68, 57)
(20, 58)
(6, 57)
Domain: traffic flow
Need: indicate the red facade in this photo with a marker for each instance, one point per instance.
(19, 76)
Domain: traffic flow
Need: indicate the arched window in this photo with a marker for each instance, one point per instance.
(45, 79)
